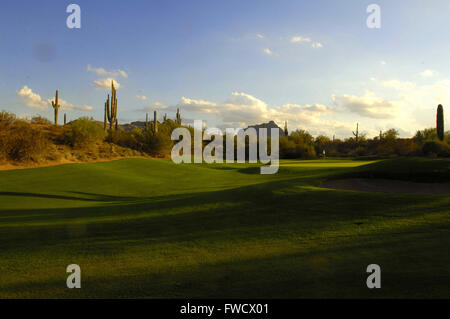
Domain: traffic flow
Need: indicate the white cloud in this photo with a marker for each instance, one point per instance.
(416, 103)
(260, 36)
(297, 39)
(383, 62)
(34, 100)
(268, 51)
(243, 109)
(102, 71)
(106, 83)
(197, 105)
(31, 99)
(301, 39)
(368, 105)
(159, 106)
(427, 73)
(141, 97)
(420, 95)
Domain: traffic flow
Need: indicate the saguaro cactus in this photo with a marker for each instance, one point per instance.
(356, 134)
(56, 107)
(440, 122)
(155, 123)
(65, 118)
(286, 132)
(105, 119)
(146, 120)
(111, 108)
(178, 117)
(165, 117)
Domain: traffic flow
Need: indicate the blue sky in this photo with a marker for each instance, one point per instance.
(315, 64)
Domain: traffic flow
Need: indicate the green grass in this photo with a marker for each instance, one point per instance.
(410, 169)
(150, 228)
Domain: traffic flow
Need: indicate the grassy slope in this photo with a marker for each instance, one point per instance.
(410, 169)
(149, 228)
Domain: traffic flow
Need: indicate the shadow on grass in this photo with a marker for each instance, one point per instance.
(336, 270)
(49, 196)
(280, 208)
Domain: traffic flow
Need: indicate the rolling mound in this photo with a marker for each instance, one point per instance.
(388, 186)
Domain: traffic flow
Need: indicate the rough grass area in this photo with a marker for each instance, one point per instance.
(409, 169)
(153, 229)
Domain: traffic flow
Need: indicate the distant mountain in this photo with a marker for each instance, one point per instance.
(132, 125)
(268, 126)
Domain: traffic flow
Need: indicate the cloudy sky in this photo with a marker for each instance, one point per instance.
(232, 63)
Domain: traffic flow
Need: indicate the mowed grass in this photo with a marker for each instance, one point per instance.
(143, 228)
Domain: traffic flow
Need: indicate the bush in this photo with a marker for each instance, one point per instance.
(40, 120)
(406, 147)
(158, 144)
(360, 151)
(6, 118)
(434, 148)
(295, 148)
(20, 142)
(133, 139)
(84, 133)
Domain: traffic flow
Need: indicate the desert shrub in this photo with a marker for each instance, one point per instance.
(40, 120)
(390, 135)
(299, 144)
(428, 134)
(385, 148)
(133, 139)
(322, 143)
(20, 142)
(406, 147)
(296, 148)
(435, 148)
(84, 133)
(360, 151)
(6, 118)
(159, 144)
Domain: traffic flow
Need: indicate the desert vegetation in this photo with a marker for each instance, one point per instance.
(38, 140)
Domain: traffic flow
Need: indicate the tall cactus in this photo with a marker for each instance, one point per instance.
(440, 122)
(146, 120)
(165, 117)
(356, 134)
(111, 108)
(56, 107)
(178, 117)
(155, 123)
(105, 118)
(65, 118)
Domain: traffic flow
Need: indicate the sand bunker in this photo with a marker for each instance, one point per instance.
(387, 186)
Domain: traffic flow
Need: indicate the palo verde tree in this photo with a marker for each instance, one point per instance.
(440, 122)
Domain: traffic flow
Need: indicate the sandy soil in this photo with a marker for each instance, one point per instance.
(387, 186)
